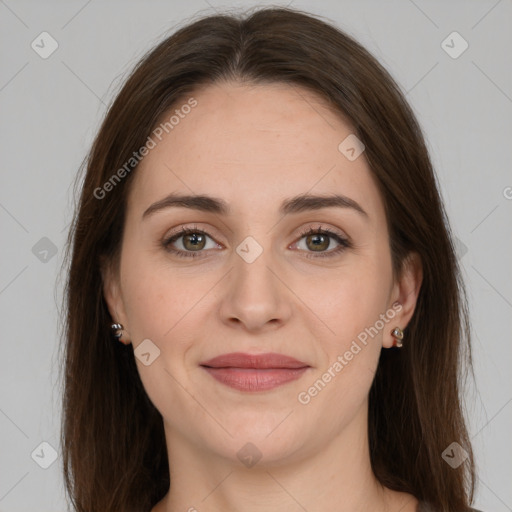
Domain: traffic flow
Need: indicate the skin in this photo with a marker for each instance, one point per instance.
(254, 146)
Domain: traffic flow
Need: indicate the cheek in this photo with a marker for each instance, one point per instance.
(352, 307)
(159, 307)
(155, 300)
(150, 311)
(353, 301)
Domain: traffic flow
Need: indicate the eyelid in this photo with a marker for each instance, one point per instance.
(343, 241)
(320, 227)
(341, 238)
(182, 231)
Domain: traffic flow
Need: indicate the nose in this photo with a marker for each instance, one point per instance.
(256, 298)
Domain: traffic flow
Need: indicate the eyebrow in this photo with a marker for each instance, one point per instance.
(297, 204)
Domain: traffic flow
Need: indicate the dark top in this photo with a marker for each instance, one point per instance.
(423, 506)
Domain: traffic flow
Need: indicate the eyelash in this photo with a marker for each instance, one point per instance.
(344, 243)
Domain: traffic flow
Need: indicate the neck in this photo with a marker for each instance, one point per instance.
(336, 473)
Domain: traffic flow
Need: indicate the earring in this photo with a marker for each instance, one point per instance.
(398, 334)
(118, 330)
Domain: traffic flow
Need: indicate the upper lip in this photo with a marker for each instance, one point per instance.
(241, 360)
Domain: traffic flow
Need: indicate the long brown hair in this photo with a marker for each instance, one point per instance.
(113, 443)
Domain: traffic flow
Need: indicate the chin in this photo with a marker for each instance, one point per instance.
(260, 442)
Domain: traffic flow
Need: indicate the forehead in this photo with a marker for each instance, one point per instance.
(253, 145)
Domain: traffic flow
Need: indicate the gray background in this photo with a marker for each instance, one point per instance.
(51, 108)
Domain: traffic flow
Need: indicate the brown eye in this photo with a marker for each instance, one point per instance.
(194, 241)
(317, 242)
(189, 243)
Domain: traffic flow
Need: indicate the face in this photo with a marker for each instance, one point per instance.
(307, 280)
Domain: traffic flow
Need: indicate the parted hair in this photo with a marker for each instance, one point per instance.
(112, 436)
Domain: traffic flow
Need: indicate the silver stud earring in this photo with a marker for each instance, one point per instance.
(398, 334)
(117, 330)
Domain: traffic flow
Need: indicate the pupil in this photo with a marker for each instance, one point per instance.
(318, 240)
(195, 239)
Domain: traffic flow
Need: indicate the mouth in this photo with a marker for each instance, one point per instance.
(254, 372)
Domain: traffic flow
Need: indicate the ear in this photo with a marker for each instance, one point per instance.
(113, 297)
(405, 292)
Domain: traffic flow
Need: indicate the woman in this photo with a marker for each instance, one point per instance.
(264, 306)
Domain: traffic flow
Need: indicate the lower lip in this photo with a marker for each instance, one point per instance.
(253, 379)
